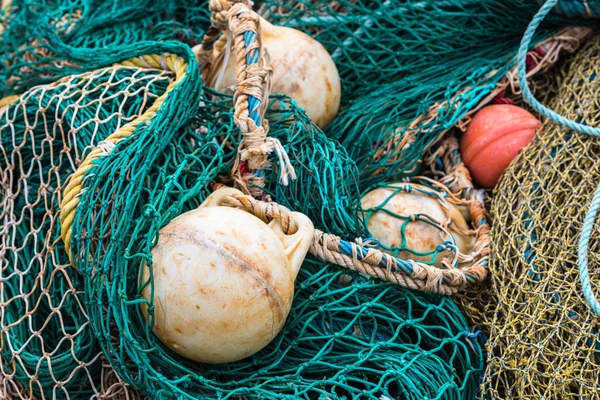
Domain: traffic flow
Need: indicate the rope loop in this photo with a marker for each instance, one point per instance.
(364, 258)
(235, 24)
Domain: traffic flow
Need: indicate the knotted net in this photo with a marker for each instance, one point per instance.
(347, 334)
(411, 70)
(64, 333)
(544, 337)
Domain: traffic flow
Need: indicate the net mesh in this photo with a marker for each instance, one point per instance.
(544, 338)
(48, 39)
(47, 342)
(348, 335)
(410, 70)
(70, 333)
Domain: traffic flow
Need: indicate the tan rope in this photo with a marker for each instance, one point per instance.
(327, 247)
(234, 18)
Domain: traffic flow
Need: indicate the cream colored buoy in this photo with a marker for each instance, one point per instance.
(223, 280)
(419, 236)
(302, 70)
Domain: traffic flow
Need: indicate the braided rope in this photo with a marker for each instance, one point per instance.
(590, 216)
(70, 200)
(368, 260)
(253, 76)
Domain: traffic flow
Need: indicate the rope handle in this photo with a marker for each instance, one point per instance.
(588, 222)
(234, 19)
(365, 259)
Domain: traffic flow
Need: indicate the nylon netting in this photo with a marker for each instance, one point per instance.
(544, 338)
(47, 343)
(164, 141)
(350, 334)
(410, 70)
(47, 39)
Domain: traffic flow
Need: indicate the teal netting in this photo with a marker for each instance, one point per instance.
(411, 69)
(48, 39)
(347, 335)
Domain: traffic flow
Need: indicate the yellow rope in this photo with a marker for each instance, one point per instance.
(5, 101)
(70, 200)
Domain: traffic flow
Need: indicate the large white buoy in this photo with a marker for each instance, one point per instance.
(223, 280)
(302, 70)
(410, 233)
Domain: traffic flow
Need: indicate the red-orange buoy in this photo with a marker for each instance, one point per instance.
(494, 138)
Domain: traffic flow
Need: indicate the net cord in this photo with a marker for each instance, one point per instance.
(590, 216)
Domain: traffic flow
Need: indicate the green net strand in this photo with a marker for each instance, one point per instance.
(327, 184)
(46, 335)
(47, 40)
(383, 41)
(410, 70)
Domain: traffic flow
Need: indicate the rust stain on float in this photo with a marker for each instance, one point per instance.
(295, 89)
(212, 264)
(224, 306)
(164, 271)
(328, 84)
(178, 330)
(197, 307)
(420, 241)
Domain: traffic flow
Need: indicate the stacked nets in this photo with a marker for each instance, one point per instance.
(544, 337)
(347, 335)
(47, 342)
(47, 39)
(410, 70)
(161, 142)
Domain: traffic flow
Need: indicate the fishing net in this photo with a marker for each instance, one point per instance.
(412, 70)
(100, 157)
(45, 40)
(65, 329)
(544, 337)
(47, 343)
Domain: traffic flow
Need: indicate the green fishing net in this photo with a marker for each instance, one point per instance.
(544, 337)
(47, 39)
(412, 69)
(79, 333)
(347, 334)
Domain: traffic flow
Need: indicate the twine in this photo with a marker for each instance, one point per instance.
(363, 258)
(590, 216)
(253, 76)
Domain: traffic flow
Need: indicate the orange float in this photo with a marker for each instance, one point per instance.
(493, 139)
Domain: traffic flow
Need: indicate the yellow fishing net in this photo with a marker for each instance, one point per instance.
(544, 339)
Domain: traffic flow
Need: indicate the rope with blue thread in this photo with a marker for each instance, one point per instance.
(364, 256)
(588, 223)
(253, 75)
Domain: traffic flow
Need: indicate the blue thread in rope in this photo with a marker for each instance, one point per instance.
(252, 58)
(588, 222)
